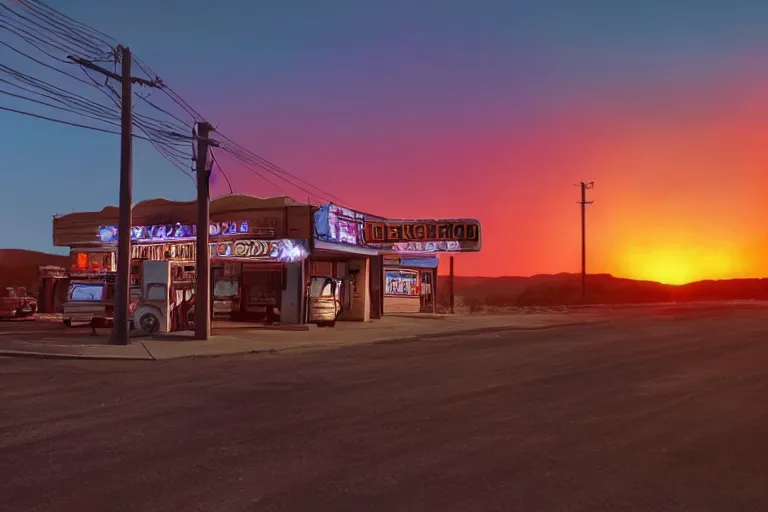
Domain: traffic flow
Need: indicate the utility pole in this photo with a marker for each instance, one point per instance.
(450, 284)
(121, 332)
(585, 185)
(203, 278)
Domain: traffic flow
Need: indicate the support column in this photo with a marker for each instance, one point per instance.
(292, 300)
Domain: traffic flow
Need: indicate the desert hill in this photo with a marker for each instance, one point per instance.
(565, 289)
(18, 267)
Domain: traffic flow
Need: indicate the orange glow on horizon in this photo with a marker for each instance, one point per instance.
(681, 264)
(680, 173)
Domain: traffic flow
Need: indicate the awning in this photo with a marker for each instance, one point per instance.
(345, 248)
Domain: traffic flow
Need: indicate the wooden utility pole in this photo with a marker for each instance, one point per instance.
(203, 277)
(450, 284)
(585, 185)
(121, 332)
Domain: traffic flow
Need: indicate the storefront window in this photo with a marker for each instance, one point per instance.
(402, 283)
(95, 261)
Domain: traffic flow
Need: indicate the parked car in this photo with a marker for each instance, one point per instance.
(325, 300)
(17, 304)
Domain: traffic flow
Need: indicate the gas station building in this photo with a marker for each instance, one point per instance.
(265, 253)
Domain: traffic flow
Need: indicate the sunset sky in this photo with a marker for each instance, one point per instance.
(483, 109)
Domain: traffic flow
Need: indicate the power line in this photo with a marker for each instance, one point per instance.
(116, 99)
(88, 39)
(23, 54)
(54, 30)
(213, 157)
(69, 123)
(32, 100)
(83, 26)
(47, 30)
(97, 110)
(248, 161)
(29, 34)
(276, 169)
(254, 169)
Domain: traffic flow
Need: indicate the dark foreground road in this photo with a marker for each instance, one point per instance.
(658, 414)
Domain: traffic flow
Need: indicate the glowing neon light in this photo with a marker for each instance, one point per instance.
(177, 231)
(285, 250)
(427, 247)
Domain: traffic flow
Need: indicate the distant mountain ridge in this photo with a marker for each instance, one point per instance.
(565, 289)
(18, 267)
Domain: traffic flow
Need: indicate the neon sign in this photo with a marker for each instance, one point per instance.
(177, 231)
(427, 247)
(334, 223)
(391, 232)
(284, 250)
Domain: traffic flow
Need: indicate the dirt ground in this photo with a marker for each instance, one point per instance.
(664, 410)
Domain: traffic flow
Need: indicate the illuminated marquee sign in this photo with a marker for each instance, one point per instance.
(393, 232)
(177, 231)
(334, 223)
(284, 250)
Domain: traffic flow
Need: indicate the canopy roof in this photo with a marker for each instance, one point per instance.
(161, 206)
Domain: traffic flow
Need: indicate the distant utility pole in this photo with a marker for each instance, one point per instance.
(121, 332)
(203, 278)
(451, 289)
(585, 185)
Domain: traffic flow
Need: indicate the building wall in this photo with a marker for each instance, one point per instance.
(401, 304)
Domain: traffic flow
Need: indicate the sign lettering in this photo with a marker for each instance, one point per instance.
(392, 232)
(427, 247)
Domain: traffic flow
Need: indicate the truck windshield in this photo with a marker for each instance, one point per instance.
(86, 291)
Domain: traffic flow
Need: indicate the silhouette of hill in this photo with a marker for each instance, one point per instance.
(18, 267)
(565, 289)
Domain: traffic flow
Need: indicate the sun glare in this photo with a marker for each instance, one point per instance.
(680, 266)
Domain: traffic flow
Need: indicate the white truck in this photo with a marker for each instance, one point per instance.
(166, 297)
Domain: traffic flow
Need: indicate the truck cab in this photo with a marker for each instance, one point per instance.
(89, 301)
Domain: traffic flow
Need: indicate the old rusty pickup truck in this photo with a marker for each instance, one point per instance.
(17, 304)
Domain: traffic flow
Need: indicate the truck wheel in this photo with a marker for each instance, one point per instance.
(67, 323)
(147, 320)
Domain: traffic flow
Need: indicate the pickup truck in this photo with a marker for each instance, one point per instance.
(92, 303)
(17, 304)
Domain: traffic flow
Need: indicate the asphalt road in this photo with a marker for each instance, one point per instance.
(663, 413)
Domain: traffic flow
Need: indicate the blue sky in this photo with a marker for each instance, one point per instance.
(347, 94)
